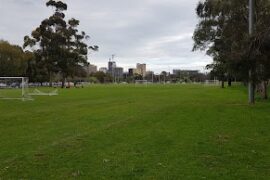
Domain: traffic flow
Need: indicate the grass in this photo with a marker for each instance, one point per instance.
(136, 132)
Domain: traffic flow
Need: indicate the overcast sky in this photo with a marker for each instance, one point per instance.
(155, 32)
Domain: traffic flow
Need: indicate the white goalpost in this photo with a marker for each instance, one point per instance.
(14, 88)
(18, 88)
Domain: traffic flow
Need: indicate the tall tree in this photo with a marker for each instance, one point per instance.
(60, 48)
(223, 32)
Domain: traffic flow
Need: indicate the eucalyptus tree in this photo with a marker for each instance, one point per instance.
(58, 44)
(46, 40)
(223, 33)
(218, 34)
(75, 51)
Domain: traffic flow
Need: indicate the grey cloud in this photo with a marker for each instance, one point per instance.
(157, 32)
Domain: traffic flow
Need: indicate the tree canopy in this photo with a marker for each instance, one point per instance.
(13, 60)
(222, 32)
(58, 45)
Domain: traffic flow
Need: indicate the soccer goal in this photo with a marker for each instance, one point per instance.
(14, 88)
(38, 92)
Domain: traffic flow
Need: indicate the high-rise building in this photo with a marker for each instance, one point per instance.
(115, 72)
(132, 71)
(90, 68)
(118, 73)
(141, 69)
(103, 69)
(111, 66)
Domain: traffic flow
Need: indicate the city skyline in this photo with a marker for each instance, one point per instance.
(106, 68)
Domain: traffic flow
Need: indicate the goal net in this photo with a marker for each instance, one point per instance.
(37, 92)
(14, 88)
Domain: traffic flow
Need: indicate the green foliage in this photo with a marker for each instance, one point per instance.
(35, 71)
(136, 132)
(223, 32)
(102, 77)
(13, 61)
(59, 46)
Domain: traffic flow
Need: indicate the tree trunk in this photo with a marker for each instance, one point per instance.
(50, 76)
(222, 84)
(262, 89)
(265, 90)
(230, 82)
(63, 81)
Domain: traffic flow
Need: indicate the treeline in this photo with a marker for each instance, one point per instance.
(13, 60)
(223, 32)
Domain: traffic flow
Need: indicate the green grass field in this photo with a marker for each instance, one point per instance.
(136, 132)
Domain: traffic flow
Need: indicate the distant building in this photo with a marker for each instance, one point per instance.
(182, 73)
(118, 72)
(187, 75)
(176, 72)
(90, 68)
(149, 76)
(125, 75)
(103, 69)
(132, 71)
(111, 66)
(149, 73)
(141, 69)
